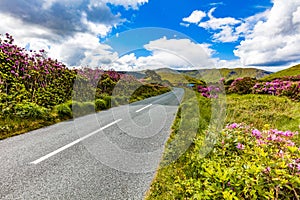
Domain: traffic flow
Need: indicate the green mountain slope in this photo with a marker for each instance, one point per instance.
(292, 71)
(216, 74)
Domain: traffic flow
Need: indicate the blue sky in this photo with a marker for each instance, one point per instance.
(141, 34)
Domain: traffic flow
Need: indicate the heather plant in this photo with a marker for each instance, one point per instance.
(246, 163)
(280, 88)
(242, 85)
(210, 91)
(29, 75)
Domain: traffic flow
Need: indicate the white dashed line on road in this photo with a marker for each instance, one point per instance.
(72, 143)
(143, 108)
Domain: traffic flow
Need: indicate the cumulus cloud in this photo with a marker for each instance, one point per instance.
(68, 30)
(195, 17)
(276, 40)
(223, 27)
(173, 53)
(226, 29)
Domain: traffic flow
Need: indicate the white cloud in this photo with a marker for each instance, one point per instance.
(75, 49)
(94, 27)
(218, 23)
(249, 23)
(128, 4)
(195, 17)
(276, 40)
(184, 24)
(68, 30)
(223, 27)
(231, 64)
(226, 35)
(173, 53)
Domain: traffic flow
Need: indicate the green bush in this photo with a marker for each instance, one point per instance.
(114, 102)
(120, 100)
(63, 110)
(242, 85)
(88, 107)
(30, 110)
(82, 108)
(100, 104)
(107, 99)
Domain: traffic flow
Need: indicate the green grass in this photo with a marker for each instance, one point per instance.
(280, 112)
(292, 71)
(15, 126)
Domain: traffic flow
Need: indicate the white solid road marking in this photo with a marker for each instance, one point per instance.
(72, 143)
(143, 108)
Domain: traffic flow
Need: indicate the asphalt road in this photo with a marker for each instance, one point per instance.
(112, 154)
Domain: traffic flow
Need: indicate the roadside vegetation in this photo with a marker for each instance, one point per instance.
(37, 91)
(256, 155)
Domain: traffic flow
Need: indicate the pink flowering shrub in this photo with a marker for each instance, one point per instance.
(211, 91)
(279, 87)
(27, 76)
(242, 85)
(246, 163)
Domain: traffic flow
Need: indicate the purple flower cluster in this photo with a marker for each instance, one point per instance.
(94, 75)
(281, 141)
(33, 76)
(32, 67)
(234, 126)
(295, 165)
(278, 87)
(209, 92)
(240, 146)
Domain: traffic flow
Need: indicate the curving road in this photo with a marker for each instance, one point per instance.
(112, 154)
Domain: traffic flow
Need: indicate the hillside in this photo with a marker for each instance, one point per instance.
(292, 71)
(215, 74)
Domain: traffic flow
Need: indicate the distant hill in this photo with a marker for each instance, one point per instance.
(138, 75)
(174, 78)
(292, 71)
(215, 74)
(182, 76)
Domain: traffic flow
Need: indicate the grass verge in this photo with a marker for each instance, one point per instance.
(194, 177)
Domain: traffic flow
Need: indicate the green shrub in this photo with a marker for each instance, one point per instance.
(107, 99)
(88, 107)
(63, 110)
(242, 85)
(30, 110)
(120, 100)
(100, 104)
(114, 102)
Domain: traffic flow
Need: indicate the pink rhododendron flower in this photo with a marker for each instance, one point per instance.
(256, 133)
(232, 126)
(267, 170)
(240, 146)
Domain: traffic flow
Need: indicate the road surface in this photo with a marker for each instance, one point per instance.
(112, 154)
